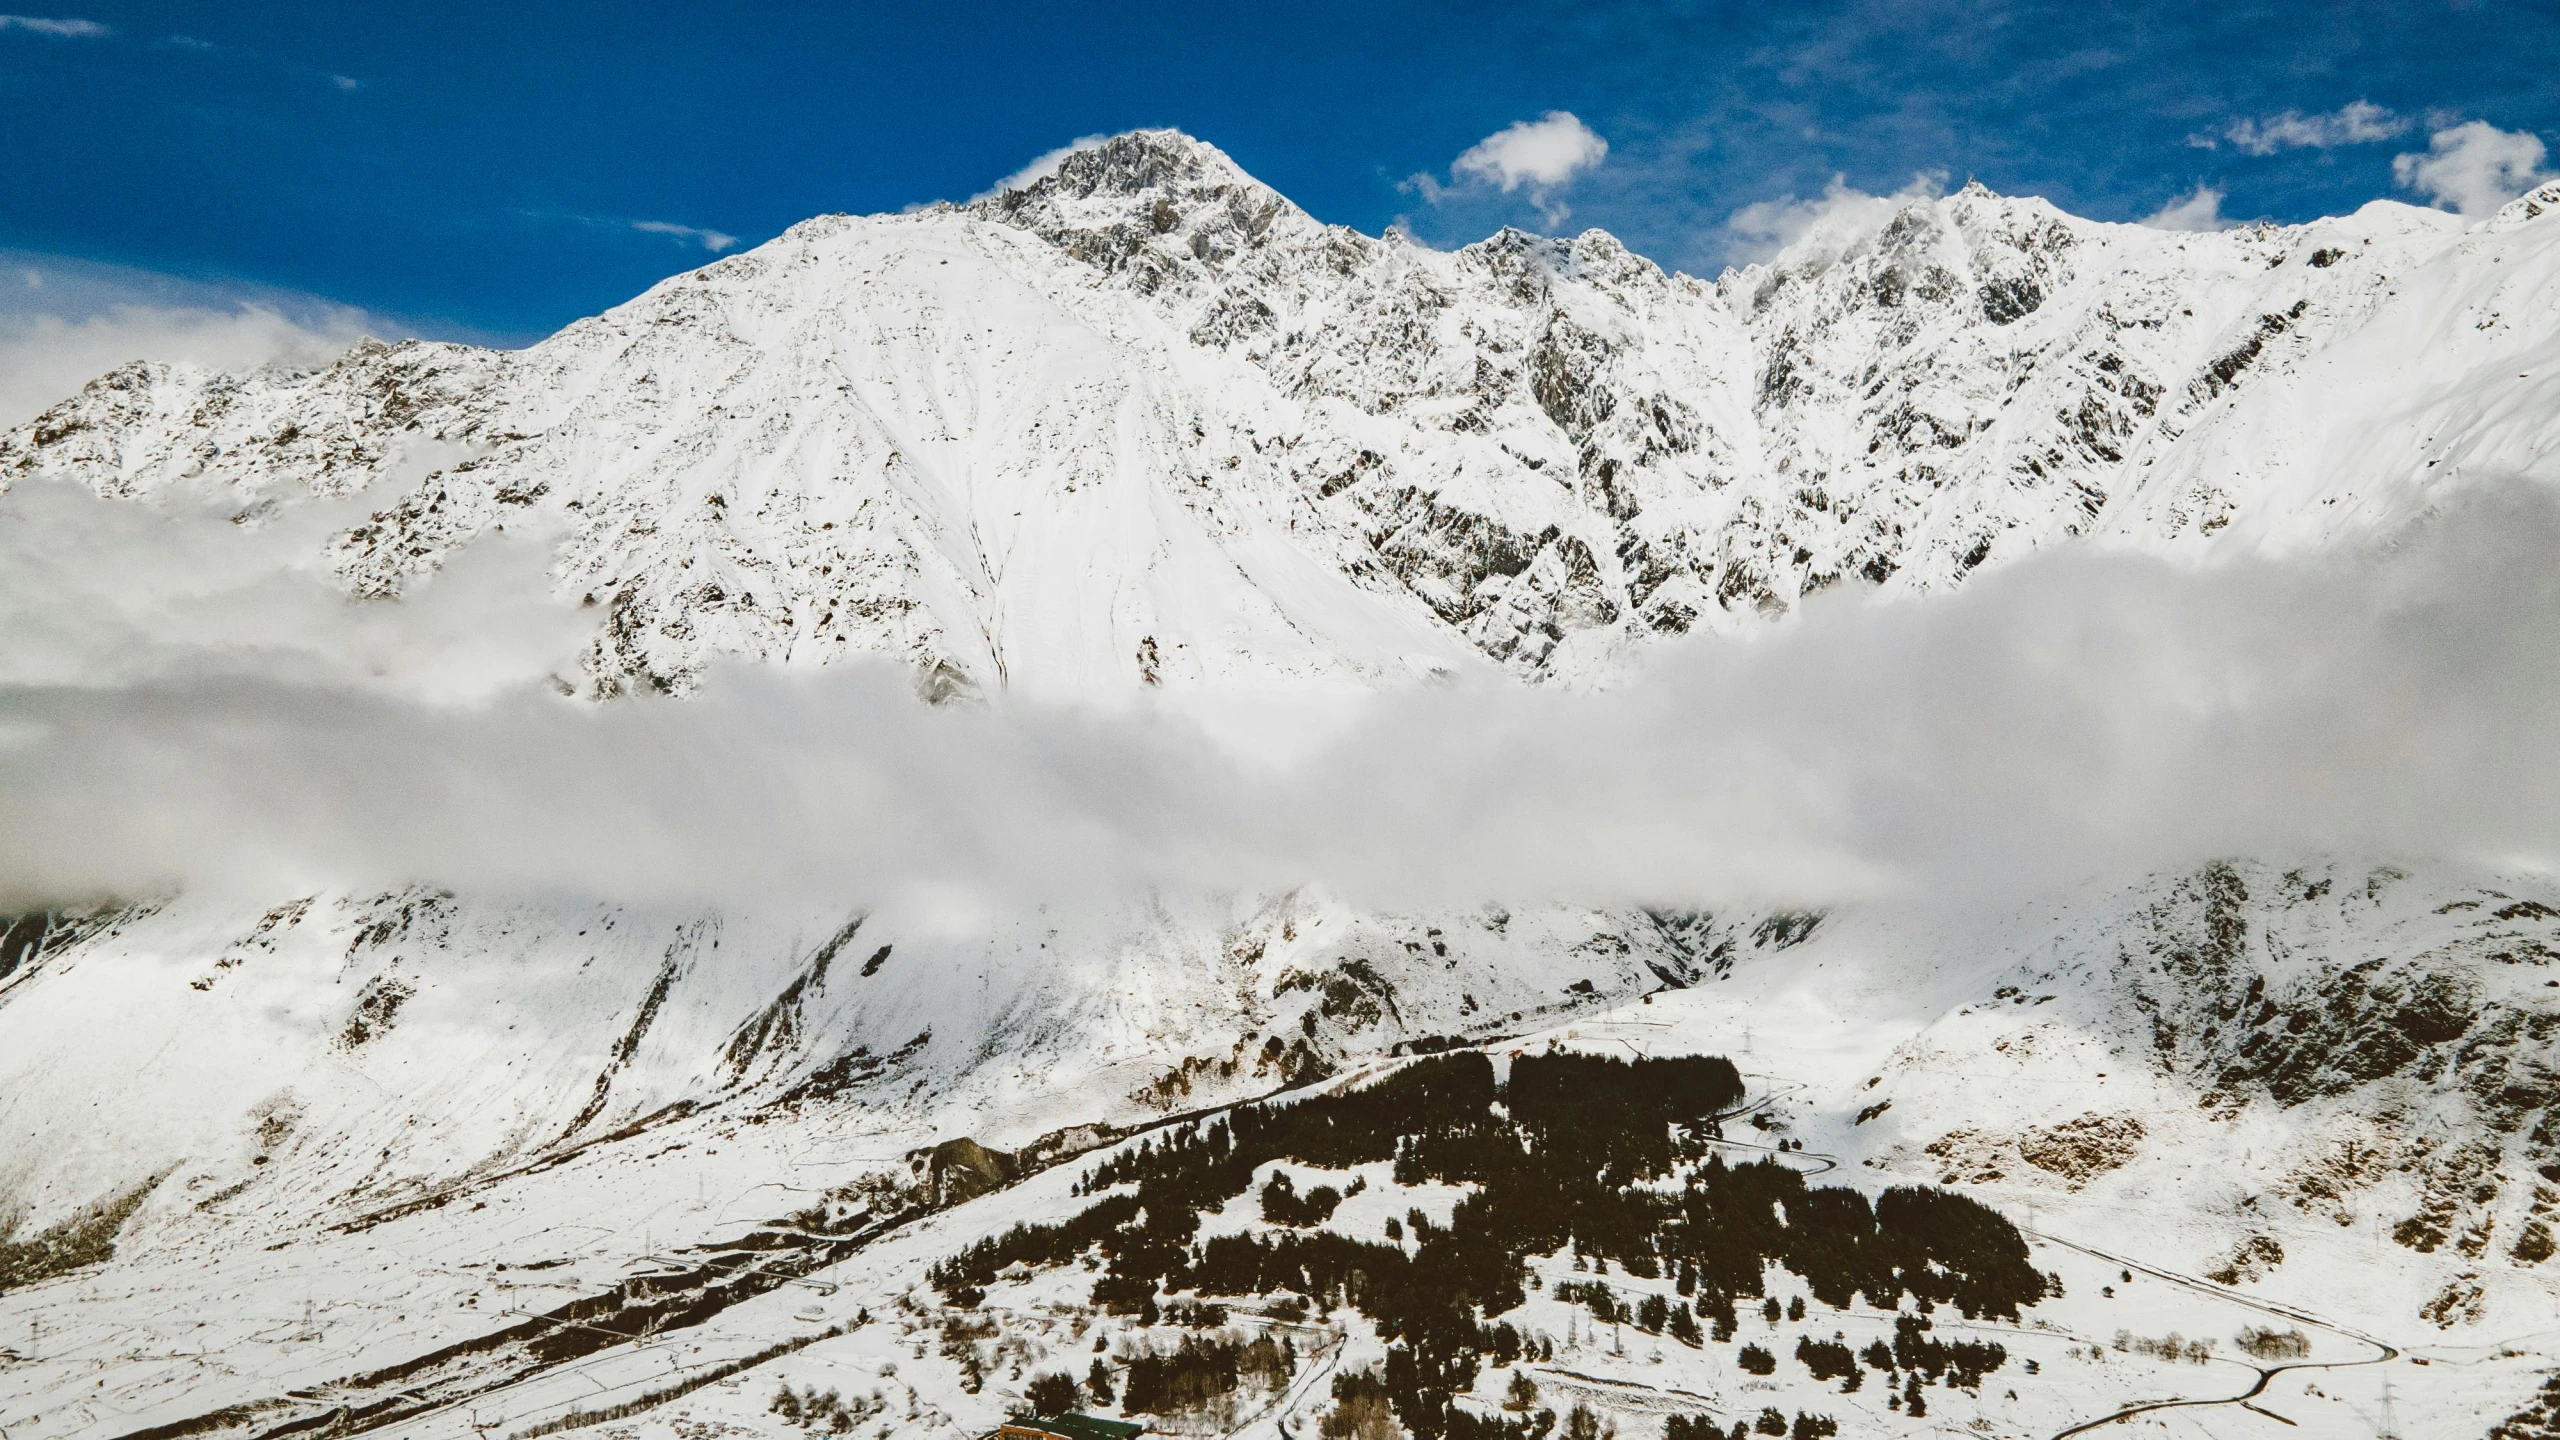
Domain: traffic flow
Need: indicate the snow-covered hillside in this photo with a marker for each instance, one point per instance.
(2321, 1072)
(1143, 419)
(314, 1038)
(364, 1149)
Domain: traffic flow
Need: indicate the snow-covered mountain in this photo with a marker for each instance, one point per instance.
(1142, 419)
(334, 1161)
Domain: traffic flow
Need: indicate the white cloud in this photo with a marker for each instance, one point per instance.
(1041, 168)
(1836, 219)
(58, 29)
(1540, 156)
(2473, 168)
(106, 593)
(64, 323)
(1546, 151)
(2200, 209)
(711, 240)
(2081, 711)
(2358, 122)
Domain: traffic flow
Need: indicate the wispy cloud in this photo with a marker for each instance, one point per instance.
(712, 240)
(1540, 156)
(45, 359)
(196, 45)
(59, 29)
(2358, 122)
(1837, 218)
(65, 322)
(2199, 209)
(1040, 168)
(2473, 168)
(689, 236)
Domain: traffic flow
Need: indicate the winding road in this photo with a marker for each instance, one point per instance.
(2266, 1373)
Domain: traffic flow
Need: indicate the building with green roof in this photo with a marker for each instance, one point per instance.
(1070, 1426)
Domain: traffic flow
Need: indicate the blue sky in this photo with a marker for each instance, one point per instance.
(495, 170)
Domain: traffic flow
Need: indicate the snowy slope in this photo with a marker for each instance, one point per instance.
(2335, 1079)
(2355, 1152)
(422, 1082)
(1143, 419)
(341, 1055)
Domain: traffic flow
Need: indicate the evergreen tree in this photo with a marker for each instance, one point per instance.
(1050, 1394)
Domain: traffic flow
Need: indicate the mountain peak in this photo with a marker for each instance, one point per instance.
(1141, 160)
(1152, 201)
(1131, 164)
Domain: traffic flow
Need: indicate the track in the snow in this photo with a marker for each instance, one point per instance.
(2266, 1373)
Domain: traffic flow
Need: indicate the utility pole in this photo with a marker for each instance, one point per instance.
(2390, 1428)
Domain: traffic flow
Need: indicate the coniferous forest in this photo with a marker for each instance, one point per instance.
(1572, 1153)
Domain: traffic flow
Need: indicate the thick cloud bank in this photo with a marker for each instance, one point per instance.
(2078, 712)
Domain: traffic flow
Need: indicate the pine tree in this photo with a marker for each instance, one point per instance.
(1050, 1394)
